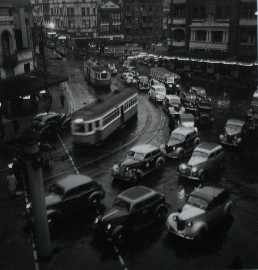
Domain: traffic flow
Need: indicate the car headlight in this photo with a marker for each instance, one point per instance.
(238, 139)
(194, 170)
(182, 167)
(189, 224)
(96, 220)
(221, 136)
(116, 168)
(28, 205)
(108, 227)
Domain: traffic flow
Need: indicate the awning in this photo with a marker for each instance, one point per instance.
(26, 84)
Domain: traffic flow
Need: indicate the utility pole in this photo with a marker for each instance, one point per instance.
(32, 160)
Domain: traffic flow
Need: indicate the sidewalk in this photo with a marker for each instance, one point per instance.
(15, 247)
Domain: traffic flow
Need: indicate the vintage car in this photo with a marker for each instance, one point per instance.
(182, 141)
(49, 124)
(140, 161)
(205, 208)
(205, 114)
(189, 101)
(157, 93)
(132, 210)
(70, 195)
(207, 159)
(112, 68)
(171, 101)
(199, 92)
(186, 120)
(234, 132)
(143, 83)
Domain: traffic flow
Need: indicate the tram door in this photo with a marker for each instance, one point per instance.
(122, 114)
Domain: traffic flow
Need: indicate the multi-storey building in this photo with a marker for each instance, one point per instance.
(16, 55)
(142, 20)
(77, 18)
(219, 28)
(166, 19)
(110, 21)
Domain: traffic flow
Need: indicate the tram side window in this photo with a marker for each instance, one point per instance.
(130, 103)
(111, 116)
(97, 124)
(89, 127)
(79, 127)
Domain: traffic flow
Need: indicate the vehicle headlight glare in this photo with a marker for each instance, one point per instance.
(194, 170)
(221, 136)
(96, 221)
(189, 224)
(183, 166)
(108, 227)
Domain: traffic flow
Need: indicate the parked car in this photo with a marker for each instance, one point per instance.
(49, 124)
(205, 208)
(182, 141)
(143, 83)
(112, 68)
(187, 120)
(173, 106)
(234, 132)
(132, 210)
(199, 91)
(157, 93)
(205, 114)
(189, 101)
(70, 195)
(207, 159)
(140, 161)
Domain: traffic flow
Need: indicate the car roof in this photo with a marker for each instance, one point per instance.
(144, 148)
(183, 130)
(186, 115)
(72, 181)
(236, 122)
(173, 97)
(207, 193)
(208, 147)
(135, 194)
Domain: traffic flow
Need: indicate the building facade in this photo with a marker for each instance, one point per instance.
(76, 18)
(166, 20)
(215, 28)
(16, 52)
(142, 20)
(110, 21)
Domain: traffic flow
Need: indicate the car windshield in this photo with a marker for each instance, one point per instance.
(135, 155)
(56, 189)
(198, 202)
(177, 137)
(200, 154)
(160, 90)
(122, 204)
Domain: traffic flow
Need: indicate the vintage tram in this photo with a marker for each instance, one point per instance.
(97, 73)
(92, 125)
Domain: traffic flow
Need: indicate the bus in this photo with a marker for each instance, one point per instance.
(93, 124)
(97, 73)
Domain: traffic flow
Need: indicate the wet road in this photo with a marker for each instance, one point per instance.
(232, 244)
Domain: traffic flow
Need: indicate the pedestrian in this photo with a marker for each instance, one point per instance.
(62, 100)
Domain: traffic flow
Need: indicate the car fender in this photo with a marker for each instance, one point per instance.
(160, 162)
(228, 208)
(96, 196)
(53, 214)
(200, 227)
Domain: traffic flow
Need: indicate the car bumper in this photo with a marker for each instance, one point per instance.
(180, 234)
(189, 176)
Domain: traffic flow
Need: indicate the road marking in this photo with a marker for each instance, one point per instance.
(68, 154)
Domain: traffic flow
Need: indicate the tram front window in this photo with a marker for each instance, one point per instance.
(79, 128)
(103, 75)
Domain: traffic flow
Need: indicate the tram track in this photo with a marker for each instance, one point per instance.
(148, 122)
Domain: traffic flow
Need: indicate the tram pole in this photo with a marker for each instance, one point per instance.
(32, 160)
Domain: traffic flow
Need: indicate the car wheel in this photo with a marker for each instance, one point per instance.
(160, 162)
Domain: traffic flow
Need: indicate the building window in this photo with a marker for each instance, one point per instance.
(88, 11)
(200, 35)
(27, 67)
(217, 36)
(83, 11)
(179, 11)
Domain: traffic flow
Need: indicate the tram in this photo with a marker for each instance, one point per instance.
(97, 73)
(92, 125)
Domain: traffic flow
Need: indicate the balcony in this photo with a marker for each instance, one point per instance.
(178, 21)
(178, 43)
(247, 22)
(24, 55)
(197, 45)
(6, 19)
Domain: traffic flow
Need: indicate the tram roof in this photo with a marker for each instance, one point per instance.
(104, 104)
